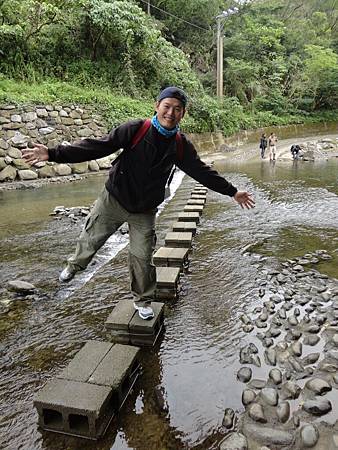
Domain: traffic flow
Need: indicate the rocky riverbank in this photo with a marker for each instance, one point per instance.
(292, 403)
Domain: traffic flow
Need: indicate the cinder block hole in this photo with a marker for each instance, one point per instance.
(52, 418)
(79, 423)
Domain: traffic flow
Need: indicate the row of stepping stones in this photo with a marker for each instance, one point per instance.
(83, 399)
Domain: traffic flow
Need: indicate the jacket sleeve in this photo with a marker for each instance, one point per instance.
(193, 166)
(88, 149)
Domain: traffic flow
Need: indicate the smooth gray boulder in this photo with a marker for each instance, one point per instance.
(234, 441)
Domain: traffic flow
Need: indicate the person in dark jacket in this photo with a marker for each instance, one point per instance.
(135, 187)
(263, 144)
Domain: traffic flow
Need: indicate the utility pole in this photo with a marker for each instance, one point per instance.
(219, 86)
(148, 9)
(219, 67)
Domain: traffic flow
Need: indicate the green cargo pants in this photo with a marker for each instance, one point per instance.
(105, 218)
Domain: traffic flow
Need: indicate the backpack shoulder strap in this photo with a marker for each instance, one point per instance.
(140, 133)
(179, 146)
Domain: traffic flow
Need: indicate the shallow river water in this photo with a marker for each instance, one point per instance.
(194, 365)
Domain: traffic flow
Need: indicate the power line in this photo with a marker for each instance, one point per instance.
(172, 15)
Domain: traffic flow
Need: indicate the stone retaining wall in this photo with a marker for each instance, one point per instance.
(49, 125)
(53, 124)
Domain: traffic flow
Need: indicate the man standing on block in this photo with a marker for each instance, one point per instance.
(135, 187)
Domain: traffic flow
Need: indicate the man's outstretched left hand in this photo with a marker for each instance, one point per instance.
(244, 199)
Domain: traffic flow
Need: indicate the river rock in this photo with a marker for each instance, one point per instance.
(309, 435)
(234, 441)
(228, 418)
(269, 396)
(311, 358)
(268, 435)
(79, 167)
(93, 166)
(311, 340)
(46, 172)
(22, 287)
(62, 169)
(317, 407)
(282, 313)
(283, 411)
(21, 164)
(275, 375)
(14, 153)
(296, 348)
(8, 174)
(270, 356)
(256, 384)
(318, 386)
(292, 320)
(290, 390)
(267, 342)
(244, 374)
(248, 396)
(256, 413)
(27, 175)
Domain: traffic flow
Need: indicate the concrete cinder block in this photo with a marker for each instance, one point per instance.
(83, 398)
(130, 328)
(178, 239)
(171, 257)
(200, 191)
(85, 361)
(73, 407)
(199, 197)
(194, 208)
(167, 279)
(189, 217)
(167, 276)
(185, 227)
(196, 201)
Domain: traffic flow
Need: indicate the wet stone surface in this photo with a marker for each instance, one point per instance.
(295, 330)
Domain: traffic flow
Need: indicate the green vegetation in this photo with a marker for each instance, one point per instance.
(280, 58)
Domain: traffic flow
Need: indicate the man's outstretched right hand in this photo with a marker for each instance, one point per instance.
(36, 154)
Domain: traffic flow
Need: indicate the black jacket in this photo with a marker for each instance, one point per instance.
(138, 176)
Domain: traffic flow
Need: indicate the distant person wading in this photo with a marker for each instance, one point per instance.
(272, 141)
(263, 144)
(136, 187)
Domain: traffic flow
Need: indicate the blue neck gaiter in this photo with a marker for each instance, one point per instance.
(162, 130)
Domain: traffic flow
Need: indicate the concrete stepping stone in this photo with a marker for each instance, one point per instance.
(189, 217)
(181, 239)
(196, 201)
(185, 227)
(171, 257)
(126, 327)
(200, 191)
(85, 396)
(199, 197)
(194, 208)
(167, 282)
